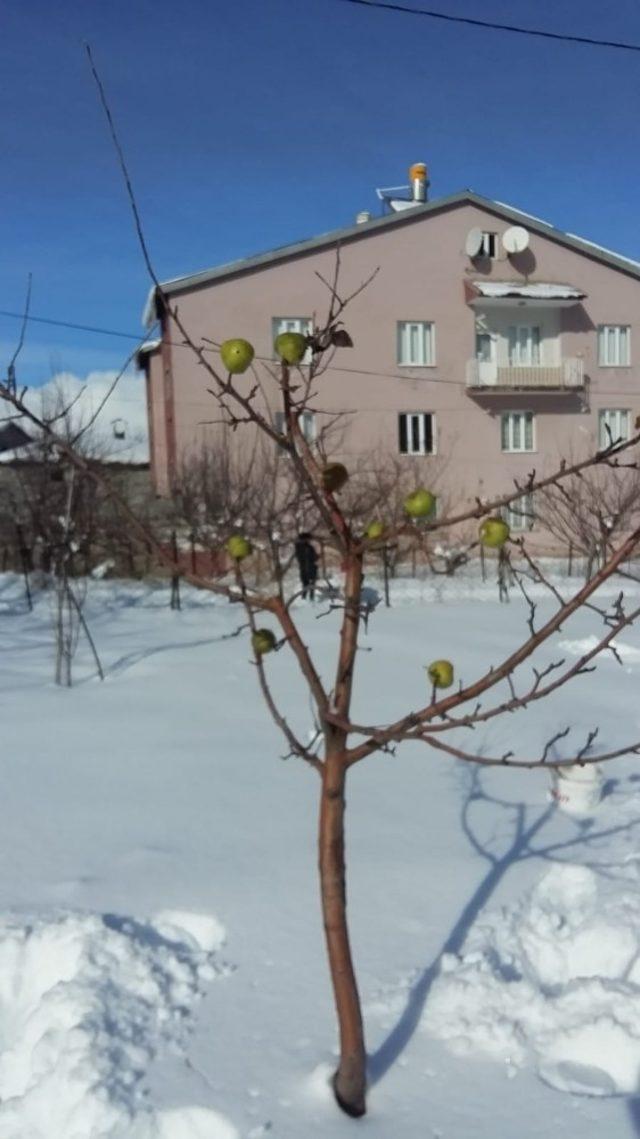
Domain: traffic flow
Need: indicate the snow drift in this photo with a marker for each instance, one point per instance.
(86, 1001)
(556, 979)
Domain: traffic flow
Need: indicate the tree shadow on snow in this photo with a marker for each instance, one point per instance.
(523, 830)
(633, 1107)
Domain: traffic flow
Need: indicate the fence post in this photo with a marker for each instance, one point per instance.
(26, 562)
(174, 603)
(385, 575)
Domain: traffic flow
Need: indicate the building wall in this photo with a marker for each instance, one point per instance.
(421, 268)
(155, 381)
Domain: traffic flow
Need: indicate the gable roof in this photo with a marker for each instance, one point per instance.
(12, 436)
(365, 229)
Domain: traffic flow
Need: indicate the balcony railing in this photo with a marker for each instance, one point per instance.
(487, 375)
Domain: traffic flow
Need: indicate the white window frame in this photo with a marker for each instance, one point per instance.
(303, 324)
(511, 449)
(307, 421)
(520, 513)
(489, 239)
(416, 344)
(618, 419)
(524, 351)
(422, 432)
(614, 348)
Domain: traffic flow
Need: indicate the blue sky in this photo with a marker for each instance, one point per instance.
(251, 124)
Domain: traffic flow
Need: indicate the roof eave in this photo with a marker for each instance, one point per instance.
(363, 229)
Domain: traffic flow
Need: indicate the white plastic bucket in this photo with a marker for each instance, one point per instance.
(577, 789)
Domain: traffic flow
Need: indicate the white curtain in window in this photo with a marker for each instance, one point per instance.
(415, 343)
(614, 347)
(517, 431)
(524, 345)
(614, 424)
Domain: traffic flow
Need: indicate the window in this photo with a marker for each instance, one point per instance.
(416, 343)
(516, 428)
(417, 433)
(302, 324)
(524, 345)
(489, 245)
(484, 347)
(519, 514)
(307, 423)
(614, 426)
(614, 345)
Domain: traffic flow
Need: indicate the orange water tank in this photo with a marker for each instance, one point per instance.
(419, 181)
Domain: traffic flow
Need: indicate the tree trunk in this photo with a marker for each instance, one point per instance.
(349, 1081)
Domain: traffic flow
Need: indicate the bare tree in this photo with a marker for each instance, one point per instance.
(591, 511)
(341, 742)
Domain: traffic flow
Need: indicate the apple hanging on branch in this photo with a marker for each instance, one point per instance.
(421, 503)
(263, 641)
(237, 355)
(291, 347)
(334, 477)
(440, 673)
(238, 547)
(494, 532)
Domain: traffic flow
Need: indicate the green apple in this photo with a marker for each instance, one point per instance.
(334, 476)
(375, 529)
(440, 673)
(494, 533)
(238, 547)
(291, 347)
(263, 641)
(420, 504)
(236, 355)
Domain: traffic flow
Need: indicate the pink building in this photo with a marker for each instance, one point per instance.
(487, 339)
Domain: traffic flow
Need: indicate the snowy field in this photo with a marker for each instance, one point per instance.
(162, 971)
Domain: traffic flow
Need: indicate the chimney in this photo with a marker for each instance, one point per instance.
(419, 182)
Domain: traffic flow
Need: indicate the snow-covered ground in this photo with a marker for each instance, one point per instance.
(162, 972)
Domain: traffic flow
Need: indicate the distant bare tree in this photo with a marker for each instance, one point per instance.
(591, 511)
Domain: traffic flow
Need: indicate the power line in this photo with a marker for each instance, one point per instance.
(68, 324)
(262, 359)
(494, 25)
(179, 344)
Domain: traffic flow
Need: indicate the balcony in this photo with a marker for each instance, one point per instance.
(488, 376)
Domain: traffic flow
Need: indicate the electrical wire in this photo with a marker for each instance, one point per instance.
(262, 359)
(493, 25)
(420, 379)
(68, 324)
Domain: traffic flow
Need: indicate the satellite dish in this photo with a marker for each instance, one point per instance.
(515, 239)
(473, 244)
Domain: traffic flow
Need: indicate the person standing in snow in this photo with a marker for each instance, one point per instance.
(307, 559)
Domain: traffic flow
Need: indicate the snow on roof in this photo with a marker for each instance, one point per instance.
(356, 232)
(146, 349)
(538, 290)
(603, 249)
(115, 417)
(525, 214)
